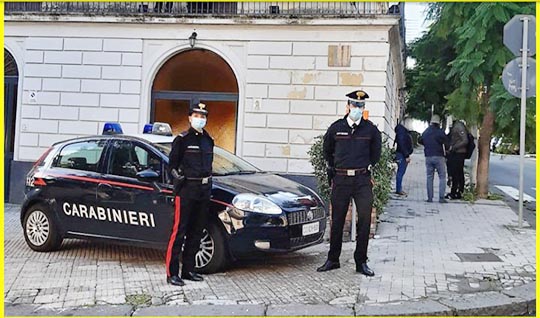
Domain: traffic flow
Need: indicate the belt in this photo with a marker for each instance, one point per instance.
(351, 172)
(200, 180)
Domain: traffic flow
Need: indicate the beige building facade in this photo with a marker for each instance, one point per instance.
(271, 83)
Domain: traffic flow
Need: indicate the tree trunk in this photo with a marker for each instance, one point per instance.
(484, 141)
(474, 157)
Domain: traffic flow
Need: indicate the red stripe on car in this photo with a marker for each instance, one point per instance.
(221, 202)
(121, 184)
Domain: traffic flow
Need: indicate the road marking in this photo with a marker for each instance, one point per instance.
(514, 193)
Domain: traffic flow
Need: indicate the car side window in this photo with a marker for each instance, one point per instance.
(148, 160)
(81, 155)
(127, 159)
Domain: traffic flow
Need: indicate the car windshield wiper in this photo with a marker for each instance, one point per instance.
(247, 172)
(235, 173)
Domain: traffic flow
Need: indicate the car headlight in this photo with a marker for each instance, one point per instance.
(255, 203)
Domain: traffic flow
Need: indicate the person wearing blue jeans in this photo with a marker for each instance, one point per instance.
(436, 163)
(435, 142)
(403, 151)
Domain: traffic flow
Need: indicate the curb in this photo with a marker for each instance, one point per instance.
(516, 301)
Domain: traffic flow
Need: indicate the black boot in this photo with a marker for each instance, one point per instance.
(328, 266)
(364, 269)
(175, 280)
(192, 276)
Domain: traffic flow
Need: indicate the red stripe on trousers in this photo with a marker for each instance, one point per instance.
(174, 232)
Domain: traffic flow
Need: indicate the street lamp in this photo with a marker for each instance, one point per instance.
(192, 39)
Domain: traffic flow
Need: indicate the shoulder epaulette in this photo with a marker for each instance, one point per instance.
(336, 122)
(183, 134)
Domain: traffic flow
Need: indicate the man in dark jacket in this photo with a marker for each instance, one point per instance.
(434, 141)
(403, 151)
(456, 158)
(352, 145)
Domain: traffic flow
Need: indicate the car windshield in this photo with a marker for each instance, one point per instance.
(225, 163)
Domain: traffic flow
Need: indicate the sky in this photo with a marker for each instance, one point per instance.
(415, 14)
(415, 25)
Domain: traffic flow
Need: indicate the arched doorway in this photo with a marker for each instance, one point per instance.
(11, 80)
(195, 76)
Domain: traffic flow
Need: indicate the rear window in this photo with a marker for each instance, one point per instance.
(83, 155)
(45, 157)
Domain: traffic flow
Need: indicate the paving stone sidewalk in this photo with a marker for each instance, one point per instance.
(454, 258)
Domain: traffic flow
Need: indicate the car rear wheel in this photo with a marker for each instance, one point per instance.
(40, 230)
(212, 255)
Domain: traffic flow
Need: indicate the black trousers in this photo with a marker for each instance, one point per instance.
(343, 189)
(190, 219)
(456, 161)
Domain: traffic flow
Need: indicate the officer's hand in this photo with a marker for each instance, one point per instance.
(178, 182)
(408, 159)
(178, 179)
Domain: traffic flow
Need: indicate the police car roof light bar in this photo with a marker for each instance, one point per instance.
(112, 129)
(161, 129)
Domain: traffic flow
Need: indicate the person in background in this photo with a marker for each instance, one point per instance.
(456, 158)
(403, 152)
(435, 141)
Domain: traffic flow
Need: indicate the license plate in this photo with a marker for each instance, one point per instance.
(310, 228)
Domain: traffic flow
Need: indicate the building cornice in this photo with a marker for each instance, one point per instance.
(371, 20)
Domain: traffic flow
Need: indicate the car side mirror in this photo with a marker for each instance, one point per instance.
(148, 175)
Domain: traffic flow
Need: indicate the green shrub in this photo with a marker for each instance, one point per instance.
(316, 157)
(382, 174)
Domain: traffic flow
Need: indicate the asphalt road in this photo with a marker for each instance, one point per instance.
(504, 170)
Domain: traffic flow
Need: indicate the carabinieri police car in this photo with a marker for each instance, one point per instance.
(115, 187)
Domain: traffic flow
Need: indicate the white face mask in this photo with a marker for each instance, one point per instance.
(355, 113)
(198, 123)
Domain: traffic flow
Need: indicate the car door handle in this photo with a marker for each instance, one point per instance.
(104, 191)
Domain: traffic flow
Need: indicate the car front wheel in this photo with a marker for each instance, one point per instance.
(40, 230)
(212, 255)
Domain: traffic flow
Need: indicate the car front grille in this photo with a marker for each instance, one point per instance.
(305, 240)
(304, 216)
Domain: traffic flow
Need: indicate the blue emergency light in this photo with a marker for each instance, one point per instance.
(112, 129)
(147, 129)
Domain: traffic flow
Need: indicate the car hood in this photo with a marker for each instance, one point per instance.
(282, 191)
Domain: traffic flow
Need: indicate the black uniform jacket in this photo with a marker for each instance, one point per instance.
(192, 153)
(345, 148)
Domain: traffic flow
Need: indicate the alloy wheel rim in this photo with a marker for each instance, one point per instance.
(37, 228)
(206, 250)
